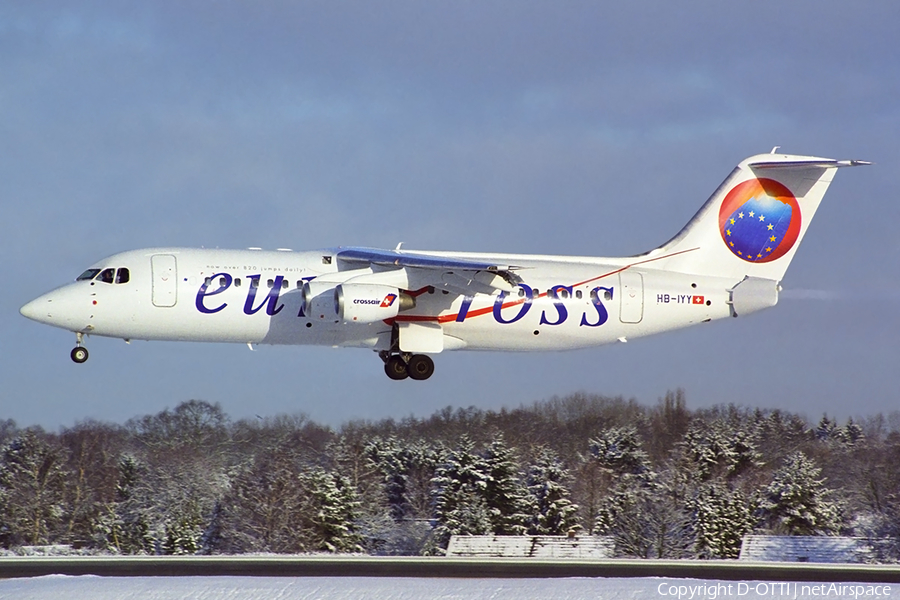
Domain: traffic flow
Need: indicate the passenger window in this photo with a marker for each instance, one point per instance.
(123, 276)
(237, 282)
(107, 275)
(284, 284)
(222, 282)
(254, 283)
(299, 283)
(535, 293)
(578, 294)
(270, 283)
(89, 274)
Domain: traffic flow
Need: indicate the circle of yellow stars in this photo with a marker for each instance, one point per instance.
(751, 214)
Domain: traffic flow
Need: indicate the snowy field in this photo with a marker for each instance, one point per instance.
(387, 588)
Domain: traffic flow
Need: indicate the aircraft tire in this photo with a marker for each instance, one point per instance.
(79, 354)
(420, 367)
(395, 368)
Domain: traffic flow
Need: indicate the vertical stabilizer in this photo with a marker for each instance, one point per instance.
(754, 222)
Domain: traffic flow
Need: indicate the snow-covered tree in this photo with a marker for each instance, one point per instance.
(186, 453)
(721, 518)
(797, 501)
(619, 451)
(638, 510)
(183, 529)
(471, 486)
(406, 469)
(851, 433)
(552, 512)
(719, 448)
(123, 526)
(390, 458)
(826, 429)
(330, 512)
(32, 490)
(645, 517)
(459, 484)
(883, 532)
(261, 510)
(504, 493)
(192, 425)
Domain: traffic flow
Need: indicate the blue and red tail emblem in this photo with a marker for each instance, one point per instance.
(388, 300)
(759, 220)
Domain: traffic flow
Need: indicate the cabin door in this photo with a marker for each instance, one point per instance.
(631, 309)
(165, 280)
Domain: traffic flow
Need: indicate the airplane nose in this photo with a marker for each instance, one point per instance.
(37, 310)
(33, 309)
(67, 307)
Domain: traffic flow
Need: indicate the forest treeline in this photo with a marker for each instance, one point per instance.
(663, 480)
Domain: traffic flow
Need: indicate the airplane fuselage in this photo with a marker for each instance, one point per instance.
(254, 296)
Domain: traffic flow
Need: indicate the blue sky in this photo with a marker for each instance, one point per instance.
(539, 127)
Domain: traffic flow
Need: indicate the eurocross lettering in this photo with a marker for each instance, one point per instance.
(562, 312)
(271, 301)
(225, 280)
(596, 316)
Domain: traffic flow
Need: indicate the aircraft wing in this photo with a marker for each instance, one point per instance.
(461, 274)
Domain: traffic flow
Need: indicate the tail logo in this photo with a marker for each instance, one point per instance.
(759, 220)
(388, 300)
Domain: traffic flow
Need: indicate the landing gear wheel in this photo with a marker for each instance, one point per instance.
(79, 354)
(420, 367)
(395, 368)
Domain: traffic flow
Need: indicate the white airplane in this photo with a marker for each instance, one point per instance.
(405, 305)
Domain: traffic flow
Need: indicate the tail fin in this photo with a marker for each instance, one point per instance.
(753, 223)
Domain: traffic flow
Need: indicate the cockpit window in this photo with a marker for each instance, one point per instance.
(107, 275)
(122, 275)
(89, 274)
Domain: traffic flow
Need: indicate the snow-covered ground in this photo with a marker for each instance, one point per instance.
(388, 588)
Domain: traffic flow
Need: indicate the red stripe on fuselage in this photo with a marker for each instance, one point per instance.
(489, 309)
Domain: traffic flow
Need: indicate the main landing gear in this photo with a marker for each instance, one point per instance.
(79, 353)
(401, 365)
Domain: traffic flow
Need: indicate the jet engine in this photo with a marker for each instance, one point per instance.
(369, 303)
(318, 300)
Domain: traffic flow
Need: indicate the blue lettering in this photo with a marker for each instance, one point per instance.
(202, 293)
(464, 309)
(271, 300)
(526, 305)
(560, 307)
(597, 301)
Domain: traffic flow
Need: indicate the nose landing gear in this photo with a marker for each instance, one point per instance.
(400, 365)
(79, 353)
